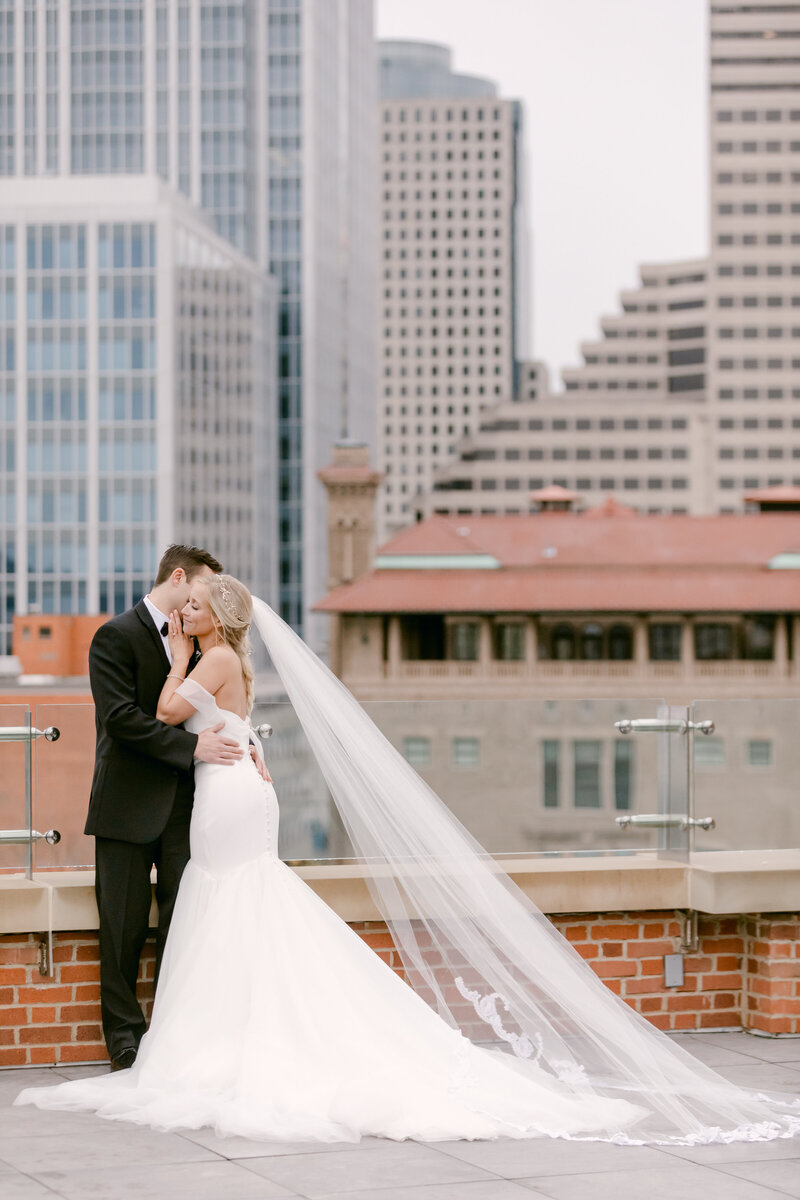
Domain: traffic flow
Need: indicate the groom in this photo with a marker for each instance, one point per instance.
(142, 790)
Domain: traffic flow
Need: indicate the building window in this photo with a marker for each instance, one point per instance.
(620, 643)
(551, 765)
(759, 753)
(509, 641)
(713, 641)
(665, 642)
(562, 644)
(623, 774)
(592, 642)
(464, 641)
(758, 638)
(686, 383)
(466, 752)
(417, 751)
(709, 752)
(586, 759)
(423, 637)
(679, 358)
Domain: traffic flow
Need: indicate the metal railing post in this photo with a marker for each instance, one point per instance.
(29, 799)
(26, 837)
(683, 822)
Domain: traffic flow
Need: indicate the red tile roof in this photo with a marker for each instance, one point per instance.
(780, 493)
(565, 562)
(554, 491)
(589, 590)
(610, 507)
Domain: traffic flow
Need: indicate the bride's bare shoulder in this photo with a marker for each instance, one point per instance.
(220, 654)
(222, 660)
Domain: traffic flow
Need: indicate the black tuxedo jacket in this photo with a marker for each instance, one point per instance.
(140, 762)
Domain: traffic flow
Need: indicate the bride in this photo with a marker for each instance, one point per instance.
(273, 1020)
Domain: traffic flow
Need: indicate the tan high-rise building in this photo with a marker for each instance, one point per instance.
(452, 267)
(689, 400)
(754, 301)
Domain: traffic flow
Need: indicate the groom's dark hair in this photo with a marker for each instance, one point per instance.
(190, 558)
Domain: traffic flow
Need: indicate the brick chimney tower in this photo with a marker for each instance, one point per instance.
(352, 486)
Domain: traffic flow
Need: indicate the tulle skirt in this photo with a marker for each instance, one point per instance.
(275, 1021)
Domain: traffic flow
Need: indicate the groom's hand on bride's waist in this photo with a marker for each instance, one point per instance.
(261, 766)
(214, 748)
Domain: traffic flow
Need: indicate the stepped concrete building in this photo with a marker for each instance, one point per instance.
(690, 399)
(632, 421)
(453, 281)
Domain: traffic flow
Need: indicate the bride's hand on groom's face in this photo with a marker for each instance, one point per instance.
(180, 643)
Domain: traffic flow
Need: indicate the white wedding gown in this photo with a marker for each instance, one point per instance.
(273, 1020)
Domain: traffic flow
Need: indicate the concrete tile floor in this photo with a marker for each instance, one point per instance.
(76, 1156)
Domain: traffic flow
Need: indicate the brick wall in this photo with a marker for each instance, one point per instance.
(627, 951)
(771, 993)
(56, 1019)
(746, 972)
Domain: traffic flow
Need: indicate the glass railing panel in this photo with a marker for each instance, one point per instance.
(535, 776)
(62, 783)
(12, 785)
(747, 774)
(309, 827)
(526, 777)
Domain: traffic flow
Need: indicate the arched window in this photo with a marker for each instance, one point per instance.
(620, 643)
(592, 642)
(563, 643)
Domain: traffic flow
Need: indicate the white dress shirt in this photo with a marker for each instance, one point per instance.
(158, 620)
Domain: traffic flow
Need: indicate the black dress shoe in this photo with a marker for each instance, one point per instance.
(125, 1059)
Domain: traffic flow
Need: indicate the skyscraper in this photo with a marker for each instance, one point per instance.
(632, 420)
(453, 286)
(136, 388)
(262, 114)
(716, 381)
(754, 309)
(322, 247)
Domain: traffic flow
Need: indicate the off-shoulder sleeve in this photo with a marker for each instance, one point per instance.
(196, 695)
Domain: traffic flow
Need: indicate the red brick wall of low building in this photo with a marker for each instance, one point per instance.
(54, 643)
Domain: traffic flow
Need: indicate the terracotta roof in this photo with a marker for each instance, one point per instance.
(610, 507)
(594, 589)
(782, 492)
(520, 539)
(585, 562)
(438, 535)
(554, 491)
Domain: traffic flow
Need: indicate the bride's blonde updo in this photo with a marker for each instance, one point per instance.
(232, 608)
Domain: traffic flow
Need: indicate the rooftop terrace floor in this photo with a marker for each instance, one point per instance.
(80, 1157)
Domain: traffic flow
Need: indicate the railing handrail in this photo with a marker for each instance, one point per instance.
(27, 733)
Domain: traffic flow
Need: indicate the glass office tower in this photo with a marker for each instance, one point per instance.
(135, 393)
(261, 113)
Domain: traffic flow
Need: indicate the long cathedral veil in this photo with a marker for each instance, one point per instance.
(477, 948)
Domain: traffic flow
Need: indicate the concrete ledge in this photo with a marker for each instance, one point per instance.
(750, 881)
(571, 885)
(745, 881)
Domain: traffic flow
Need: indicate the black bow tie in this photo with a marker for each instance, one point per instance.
(164, 630)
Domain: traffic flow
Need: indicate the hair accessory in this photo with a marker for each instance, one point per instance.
(228, 601)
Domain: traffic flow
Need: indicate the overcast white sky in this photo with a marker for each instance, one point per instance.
(616, 137)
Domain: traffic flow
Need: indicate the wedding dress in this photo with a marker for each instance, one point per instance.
(273, 1020)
